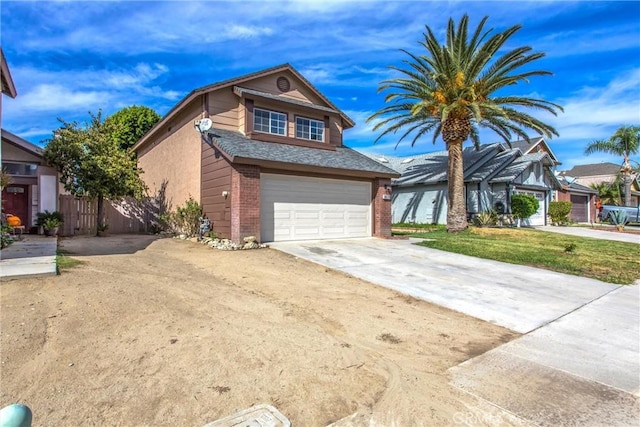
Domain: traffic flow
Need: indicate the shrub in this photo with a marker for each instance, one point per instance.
(486, 218)
(185, 219)
(524, 205)
(5, 237)
(618, 218)
(559, 212)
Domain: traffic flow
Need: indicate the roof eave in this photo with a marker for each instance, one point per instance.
(8, 86)
(297, 167)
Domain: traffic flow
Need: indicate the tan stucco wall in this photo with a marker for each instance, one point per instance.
(595, 179)
(173, 157)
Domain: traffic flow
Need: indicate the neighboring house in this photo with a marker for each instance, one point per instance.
(583, 199)
(273, 164)
(34, 185)
(492, 175)
(593, 174)
(8, 87)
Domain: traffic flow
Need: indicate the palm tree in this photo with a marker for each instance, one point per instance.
(624, 142)
(451, 91)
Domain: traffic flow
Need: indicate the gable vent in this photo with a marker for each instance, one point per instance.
(283, 84)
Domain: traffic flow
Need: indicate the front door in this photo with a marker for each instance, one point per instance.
(15, 201)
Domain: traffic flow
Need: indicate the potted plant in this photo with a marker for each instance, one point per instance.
(42, 217)
(51, 226)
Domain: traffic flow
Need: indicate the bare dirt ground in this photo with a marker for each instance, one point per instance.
(170, 332)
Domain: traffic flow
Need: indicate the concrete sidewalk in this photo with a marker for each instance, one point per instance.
(593, 233)
(32, 256)
(583, 368)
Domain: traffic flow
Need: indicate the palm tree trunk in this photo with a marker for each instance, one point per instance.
(456, 203)
(627, 179)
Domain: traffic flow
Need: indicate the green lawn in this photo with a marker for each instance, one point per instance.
(63, 261)
(609, 261)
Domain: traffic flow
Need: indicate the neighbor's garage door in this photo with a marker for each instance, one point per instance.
(579, 208)
(305, 208)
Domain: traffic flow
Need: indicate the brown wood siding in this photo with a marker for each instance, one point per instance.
(297, 91)
(216, 178)
(223, 109)
(335, 129)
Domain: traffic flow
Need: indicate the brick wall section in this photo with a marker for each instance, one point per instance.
(245, 202)
(381, 208)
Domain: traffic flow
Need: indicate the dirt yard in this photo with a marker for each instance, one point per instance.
(170, 332)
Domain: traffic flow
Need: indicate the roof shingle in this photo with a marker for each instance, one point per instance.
(236, 145)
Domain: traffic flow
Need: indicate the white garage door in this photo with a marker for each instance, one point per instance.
(539, 217)
(304, 208)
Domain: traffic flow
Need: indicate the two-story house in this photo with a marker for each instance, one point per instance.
(272, 164)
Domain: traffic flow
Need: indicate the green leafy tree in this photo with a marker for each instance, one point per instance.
(131, 123)
(454, 89)
(91, 162)
(624, 142)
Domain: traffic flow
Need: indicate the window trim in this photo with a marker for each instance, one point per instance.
(286, 121)
(321, 123)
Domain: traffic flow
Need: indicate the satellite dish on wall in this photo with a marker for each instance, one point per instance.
(203, 125)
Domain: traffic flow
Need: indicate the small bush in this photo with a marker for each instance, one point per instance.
(524, 205)
(185, 219)
(559, 212)
(618, 218)
(487, 218)
(5, 237)
(569, 247)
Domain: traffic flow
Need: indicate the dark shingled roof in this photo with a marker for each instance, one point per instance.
(236, 145)
(491, 161)
(574, 186)
(592, 170)
(524, 145)
(431, 168)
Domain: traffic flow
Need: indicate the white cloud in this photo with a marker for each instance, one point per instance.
(245, 32)
(593, 112)
(59, 98)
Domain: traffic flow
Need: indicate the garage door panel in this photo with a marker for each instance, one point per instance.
(304, 208)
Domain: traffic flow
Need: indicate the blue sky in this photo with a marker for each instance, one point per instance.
(69, 57)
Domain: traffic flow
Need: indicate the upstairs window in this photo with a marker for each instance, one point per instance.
(309, 129)
(269, 122)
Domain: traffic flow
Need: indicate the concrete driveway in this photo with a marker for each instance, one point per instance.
(578, 362)
(516, 297)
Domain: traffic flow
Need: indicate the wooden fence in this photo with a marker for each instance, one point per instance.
(128, 216)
